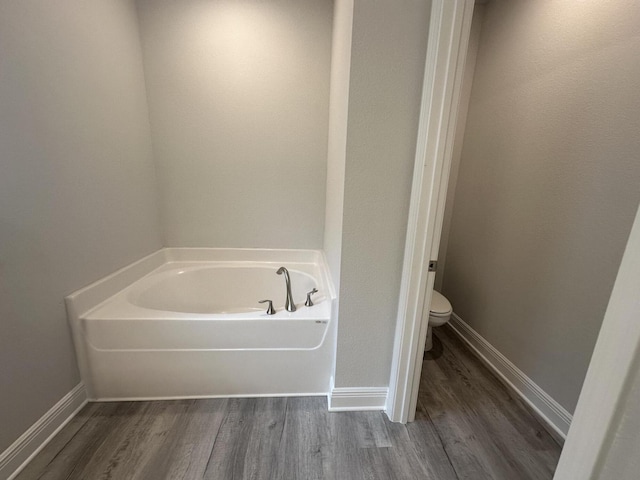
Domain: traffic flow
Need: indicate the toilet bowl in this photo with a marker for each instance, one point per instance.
(439, 314)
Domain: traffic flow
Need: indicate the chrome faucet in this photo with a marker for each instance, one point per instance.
(289, 305)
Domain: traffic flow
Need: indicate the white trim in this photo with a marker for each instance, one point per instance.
(204, 397)
(356, 399)
(547, 409)
(449, 31)
(601, 406)
(20, 453)
(349, 399)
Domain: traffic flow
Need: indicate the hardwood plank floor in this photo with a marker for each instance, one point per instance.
(486, 432)
(467, 426)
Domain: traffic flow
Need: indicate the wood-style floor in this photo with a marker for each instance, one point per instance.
(467, 427)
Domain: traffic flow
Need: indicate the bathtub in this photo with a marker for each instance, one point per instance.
(186, 323)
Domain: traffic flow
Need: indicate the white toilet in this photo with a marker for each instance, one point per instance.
(439, 314)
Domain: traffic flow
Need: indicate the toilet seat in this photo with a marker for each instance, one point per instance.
(440, 306)
(439, 313)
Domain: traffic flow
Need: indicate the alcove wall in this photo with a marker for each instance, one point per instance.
(238, 102)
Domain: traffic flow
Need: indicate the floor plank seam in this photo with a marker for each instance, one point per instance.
(284, 422)
(76, 469)
(64, 446)
(213, 445)
(444, 448)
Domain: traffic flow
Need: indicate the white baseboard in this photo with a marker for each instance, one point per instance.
(20, 453)
(350, 399)
(556, 418)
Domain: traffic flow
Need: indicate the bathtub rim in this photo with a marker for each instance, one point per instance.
(85, 299)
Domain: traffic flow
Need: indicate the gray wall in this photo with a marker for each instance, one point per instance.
(77, 189)
(465, 96)
(548, 182)
(387, 67)
(239, 98)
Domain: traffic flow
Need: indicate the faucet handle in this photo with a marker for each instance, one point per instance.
(309, 303)
(270, 309)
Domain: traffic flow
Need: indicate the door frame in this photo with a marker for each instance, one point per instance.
(449, 29)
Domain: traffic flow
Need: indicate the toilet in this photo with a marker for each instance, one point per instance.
(439, 314)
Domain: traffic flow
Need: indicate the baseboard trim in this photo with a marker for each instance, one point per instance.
(551, 413)
(350, 399)
(20, 453)
(203, 397)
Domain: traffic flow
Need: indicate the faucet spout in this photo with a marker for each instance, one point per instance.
(289, 304)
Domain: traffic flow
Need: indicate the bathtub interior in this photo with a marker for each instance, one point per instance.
(220, 287)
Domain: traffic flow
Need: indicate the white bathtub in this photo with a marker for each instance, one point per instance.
(187, 323)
